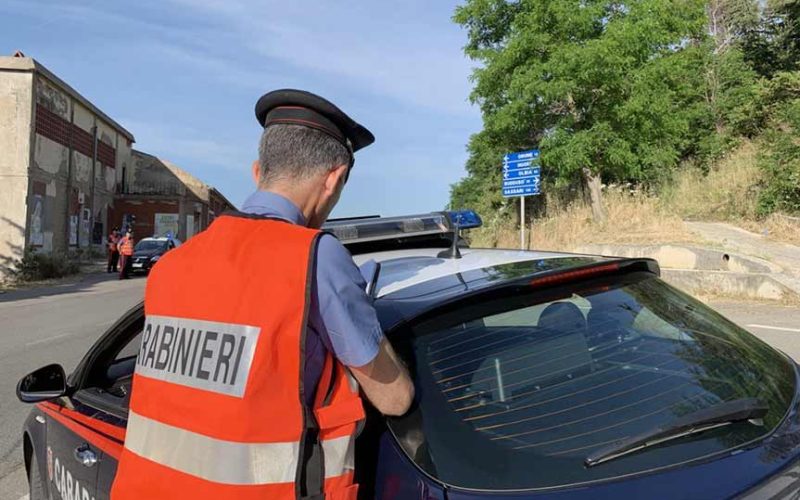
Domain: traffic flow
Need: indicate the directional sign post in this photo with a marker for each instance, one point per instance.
(522, 176)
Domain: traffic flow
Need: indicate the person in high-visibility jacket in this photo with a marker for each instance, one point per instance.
(113, 251)
(125, 246)
(259, 339)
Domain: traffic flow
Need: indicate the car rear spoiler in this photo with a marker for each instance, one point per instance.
(595, 269)
(544, 280)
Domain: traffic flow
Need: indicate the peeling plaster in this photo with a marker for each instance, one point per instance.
(52, 99)
(49, 155)
(109, 178)
(83, 168)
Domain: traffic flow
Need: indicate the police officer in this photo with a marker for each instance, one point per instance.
(259, 334)
(113, 251)
(125, 248)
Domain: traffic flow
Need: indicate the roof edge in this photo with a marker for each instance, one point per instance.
(29, 64)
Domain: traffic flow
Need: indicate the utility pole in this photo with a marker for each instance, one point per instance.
(522, 223)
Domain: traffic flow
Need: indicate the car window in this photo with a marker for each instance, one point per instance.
(130, 349)
(516, 391)
(150, 245)
(107, 384)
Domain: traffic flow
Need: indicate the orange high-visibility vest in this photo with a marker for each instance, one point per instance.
(126, 246)
(217, 406)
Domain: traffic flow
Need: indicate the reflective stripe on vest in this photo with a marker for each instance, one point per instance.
(217, 406)
(202, 456)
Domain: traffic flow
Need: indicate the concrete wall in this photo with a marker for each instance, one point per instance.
(153, 184)
(152, 175)
(51, 168)
(15, 131)
(79, 189)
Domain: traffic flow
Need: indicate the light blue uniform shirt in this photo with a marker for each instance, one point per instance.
(341, 318)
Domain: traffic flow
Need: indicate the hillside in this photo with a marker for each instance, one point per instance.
(727, 192)
(646, 112)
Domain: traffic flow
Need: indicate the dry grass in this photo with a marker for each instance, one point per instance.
(633, 218)
(727, 192)
(776, 227)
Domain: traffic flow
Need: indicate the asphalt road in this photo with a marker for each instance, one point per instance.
(42, 326)
(59, 323)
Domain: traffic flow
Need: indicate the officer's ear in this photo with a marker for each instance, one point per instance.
(335, 179)
(256, 170)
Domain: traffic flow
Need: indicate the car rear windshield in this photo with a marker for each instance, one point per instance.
(151, 245)
(517, 389)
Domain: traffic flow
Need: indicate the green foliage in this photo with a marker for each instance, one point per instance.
(632, 90)
(606, 85)
(35, 266)
(780, 161)
(774, 45)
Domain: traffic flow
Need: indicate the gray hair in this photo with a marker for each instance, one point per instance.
(297, 152)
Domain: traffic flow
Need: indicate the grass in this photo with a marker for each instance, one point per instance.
(776, 227)
(634, 217)
(728, 192)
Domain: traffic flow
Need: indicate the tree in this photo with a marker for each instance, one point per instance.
(774, 44)
(780, 158)
(599, 85)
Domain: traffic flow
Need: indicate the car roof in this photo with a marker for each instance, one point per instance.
(160, 238)
(401, 269)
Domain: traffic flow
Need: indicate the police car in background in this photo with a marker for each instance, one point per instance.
(538, 374)
(148, 250)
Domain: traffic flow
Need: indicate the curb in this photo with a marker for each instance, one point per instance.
(700, 270)
(746, 285)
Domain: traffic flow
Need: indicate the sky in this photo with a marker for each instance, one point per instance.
(184, 75)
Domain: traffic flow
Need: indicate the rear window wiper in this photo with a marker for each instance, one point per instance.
(706, 419)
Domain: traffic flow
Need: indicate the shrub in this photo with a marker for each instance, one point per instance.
(40, 266)
(780, 161)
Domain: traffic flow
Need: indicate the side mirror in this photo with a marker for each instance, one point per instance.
(48, 382)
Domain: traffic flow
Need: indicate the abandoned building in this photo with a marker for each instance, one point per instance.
(68, 173)
(161, 198)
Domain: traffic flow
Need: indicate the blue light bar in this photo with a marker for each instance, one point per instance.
(466, 219)
(383, 228)
(372, 228)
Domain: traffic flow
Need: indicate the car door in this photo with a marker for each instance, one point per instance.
(86, 430)
(72, 455)
(105, 394)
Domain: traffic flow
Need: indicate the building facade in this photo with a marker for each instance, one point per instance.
(161, 198)
(68, 173)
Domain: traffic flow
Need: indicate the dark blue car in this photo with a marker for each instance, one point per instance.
(538, 375)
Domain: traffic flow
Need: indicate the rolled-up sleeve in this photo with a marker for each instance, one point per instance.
(350, 324)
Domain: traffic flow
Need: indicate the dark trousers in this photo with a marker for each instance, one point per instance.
(124, 266)
(113, 258)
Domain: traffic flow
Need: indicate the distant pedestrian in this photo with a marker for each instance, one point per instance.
(113, 251)
(125, 247)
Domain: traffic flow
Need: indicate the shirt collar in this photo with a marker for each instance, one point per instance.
(271, 204)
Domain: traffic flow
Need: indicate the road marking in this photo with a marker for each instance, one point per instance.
(24, 497)
(780, 328)
(49, 339)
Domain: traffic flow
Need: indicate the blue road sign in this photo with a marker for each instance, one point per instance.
(525, 181)
(521, 164)
(521, 174)
(520, 191)
(532, 154)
